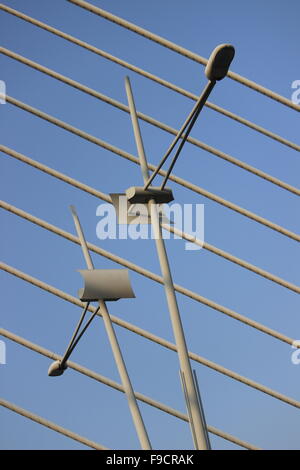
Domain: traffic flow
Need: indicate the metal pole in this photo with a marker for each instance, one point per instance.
(132, 402)
(191, 118)
(76, 340)
(204, 95)
(185, 366)
(73, 339)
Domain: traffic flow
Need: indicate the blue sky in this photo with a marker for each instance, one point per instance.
(266, 39)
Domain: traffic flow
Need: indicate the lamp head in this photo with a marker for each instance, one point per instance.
(56, 369)
(219, 62)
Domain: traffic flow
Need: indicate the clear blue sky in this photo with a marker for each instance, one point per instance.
(266, 38)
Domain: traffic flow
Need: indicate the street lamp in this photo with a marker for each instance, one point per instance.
(101, 286)
(216, 69)
(111, 285)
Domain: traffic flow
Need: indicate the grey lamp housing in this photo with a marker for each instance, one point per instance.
(56, 369)
(105, 284)
(139, 195)
(219, 62)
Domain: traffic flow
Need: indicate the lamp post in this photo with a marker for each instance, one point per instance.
(216, 69)
(104, 285)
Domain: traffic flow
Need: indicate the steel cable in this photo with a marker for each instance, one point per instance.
(152, 337)
(105, 197)
(128, 156)
(49, 424)
(145, 272)
(181, 50)
(148, 75)
(111, 383)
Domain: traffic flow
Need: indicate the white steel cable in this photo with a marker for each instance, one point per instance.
(49, 424)
(55, 173)
(130, 157)
(105, 197)
(151, 337)
(145, 272)
(150, 120)
(148, 75)
(233, 259)
(181, 50)
(111, 383)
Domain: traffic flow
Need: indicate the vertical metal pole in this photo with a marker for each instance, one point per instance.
(185, 366)
(201, 409)
(188, 407)
(137, 131)
(132, 402)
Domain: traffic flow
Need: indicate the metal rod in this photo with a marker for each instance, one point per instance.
(184, 361)
(178, 330)
(188, 407)
(201, 408)
(133, 406)
(136, 129)
(66, 355)
(201, 102)
(85, 250)
(76, 341)
(173, 143)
